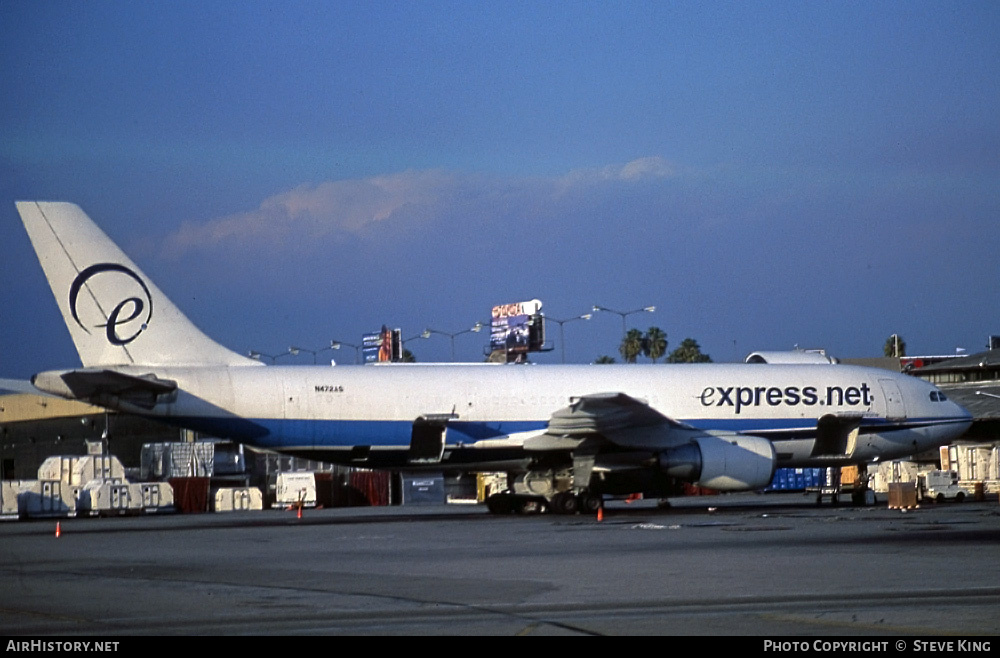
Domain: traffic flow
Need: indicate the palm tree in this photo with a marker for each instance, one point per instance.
(631, 346)
(654, 343)
(688, 352)
(894, 346)
(604, 358)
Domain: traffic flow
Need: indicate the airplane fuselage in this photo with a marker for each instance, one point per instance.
(332, 413)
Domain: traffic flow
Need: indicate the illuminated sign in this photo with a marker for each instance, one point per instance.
(517, 328)
(516, 309)
(386, 346)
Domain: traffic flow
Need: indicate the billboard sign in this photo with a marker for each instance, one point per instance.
(386, 346)
(517, 328)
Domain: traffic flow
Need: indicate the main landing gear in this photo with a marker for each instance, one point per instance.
(563, 502)
(558, 488)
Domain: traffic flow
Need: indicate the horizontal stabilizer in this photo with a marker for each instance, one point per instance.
(93, 384)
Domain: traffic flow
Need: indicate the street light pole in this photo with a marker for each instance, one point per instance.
(294, 351)
(624, 314)
(337, 344)
(562, 336)
(474, 329)
(423, 334)
(253, 354)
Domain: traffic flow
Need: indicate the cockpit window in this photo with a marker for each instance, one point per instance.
(938, 396)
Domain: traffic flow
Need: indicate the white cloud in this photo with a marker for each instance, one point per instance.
(354, 204)
(326, 210)
(653, 167)
(641, 169)
(334, 210)
(644, 168)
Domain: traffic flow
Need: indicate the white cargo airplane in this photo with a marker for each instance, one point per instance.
(566, 434)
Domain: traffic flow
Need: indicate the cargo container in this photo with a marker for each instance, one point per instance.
(369, 488)
(110, 498)
(190, 494)
(978, 466)
(902, 495)
(895, 471)
(48, 498)
(79, 471)
(156, 496)
(295, 489)
(425, 489)
(104, 498)
(9, 490)
(165, 461)
(977, 463)
(91, 484)
(795, 479)
(232, 499)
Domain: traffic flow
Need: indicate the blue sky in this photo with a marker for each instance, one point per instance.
(765, 173)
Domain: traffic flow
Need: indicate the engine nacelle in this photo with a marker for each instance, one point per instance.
(726, 462)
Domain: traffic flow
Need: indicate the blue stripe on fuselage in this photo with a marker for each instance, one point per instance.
(348, 433)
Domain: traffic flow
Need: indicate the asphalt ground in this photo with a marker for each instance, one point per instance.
(774, 565)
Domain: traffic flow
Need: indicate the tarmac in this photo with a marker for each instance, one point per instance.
(773, 565)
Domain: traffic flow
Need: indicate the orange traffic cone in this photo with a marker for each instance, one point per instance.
(58, 529)
(300, 511)
(600, 513)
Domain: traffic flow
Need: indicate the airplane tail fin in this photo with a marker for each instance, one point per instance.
(114, 313)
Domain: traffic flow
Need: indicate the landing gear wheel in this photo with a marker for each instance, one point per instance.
(565, 503)
(589, 502)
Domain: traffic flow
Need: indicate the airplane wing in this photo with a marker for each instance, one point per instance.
(593, 426)
(618, 418)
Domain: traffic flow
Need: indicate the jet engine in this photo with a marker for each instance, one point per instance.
(726, 462)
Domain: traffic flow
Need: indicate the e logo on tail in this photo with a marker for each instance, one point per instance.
(126, 311)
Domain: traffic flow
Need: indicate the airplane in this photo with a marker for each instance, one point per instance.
(566, 435)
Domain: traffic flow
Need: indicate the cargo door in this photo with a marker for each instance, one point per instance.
(836, 435)
(894, 407)
(427, 438)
